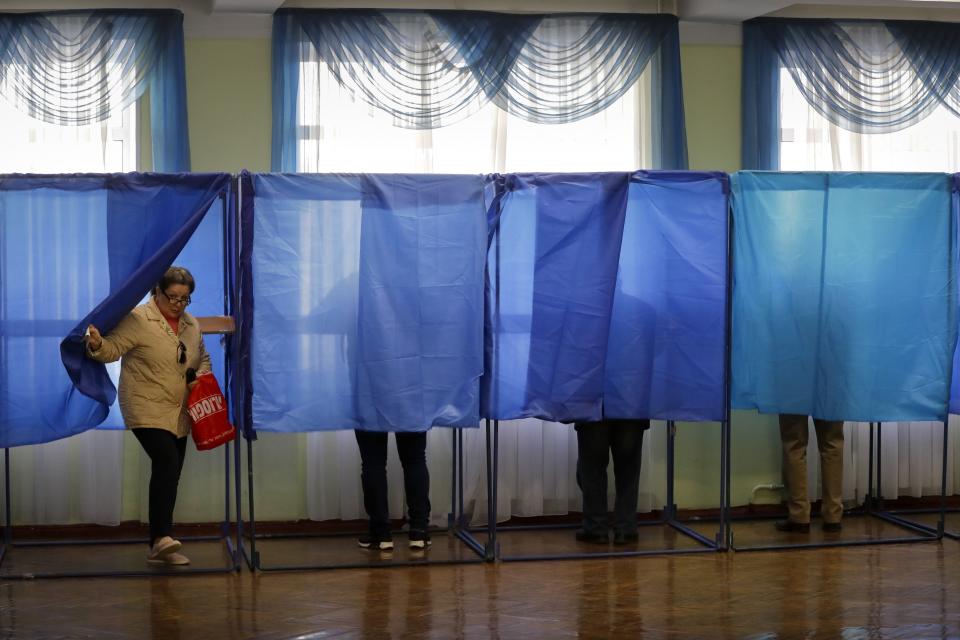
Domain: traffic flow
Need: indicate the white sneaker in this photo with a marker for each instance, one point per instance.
(163, 548)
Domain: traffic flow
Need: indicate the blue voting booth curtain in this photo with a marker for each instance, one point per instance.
(844, 297)
(368, 301)
(955, 378)
(607, 296)
(553, 266)
(666, 352)
(75, 243)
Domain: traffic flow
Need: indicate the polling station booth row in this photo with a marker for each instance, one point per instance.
(467, 305)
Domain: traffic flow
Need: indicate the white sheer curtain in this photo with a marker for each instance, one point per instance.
(912, 451)
(537, 458)
(78, 479)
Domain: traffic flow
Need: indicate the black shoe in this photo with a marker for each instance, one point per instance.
(593, 537)
(625, 537)
(419, 539)
(789, 526)
(832, 527)
(376, 542)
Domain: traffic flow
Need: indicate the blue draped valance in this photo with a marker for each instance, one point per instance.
(80, 67)
(868, 76)
(431, 68)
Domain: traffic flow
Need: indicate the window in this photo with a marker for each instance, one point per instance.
(809, 142)
(338, 134)
(32, 146)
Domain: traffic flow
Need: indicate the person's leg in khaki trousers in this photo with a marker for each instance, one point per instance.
(794, 437)
(830, 444)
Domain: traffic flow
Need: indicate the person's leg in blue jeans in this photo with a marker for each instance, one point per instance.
(412, 449)
(373, 477)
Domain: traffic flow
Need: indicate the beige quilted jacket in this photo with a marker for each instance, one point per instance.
(153, 385)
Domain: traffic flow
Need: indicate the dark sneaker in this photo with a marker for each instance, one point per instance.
(419, 539)
(376, 542)
(593, 537)
(832, 527)
(625, 537)
(789, 526)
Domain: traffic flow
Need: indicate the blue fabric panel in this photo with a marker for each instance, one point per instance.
(285, 90)
(552, 279)
(64, 250)
(53, 268)
(760, 96)
(955, 378)
(244, 291)
(844, 298)
(666, 351)
(169, 128)
(669, 124)
(369, 302)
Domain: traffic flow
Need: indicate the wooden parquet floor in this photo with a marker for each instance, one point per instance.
(890, 591)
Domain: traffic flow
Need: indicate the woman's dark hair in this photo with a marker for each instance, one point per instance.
(176, 275)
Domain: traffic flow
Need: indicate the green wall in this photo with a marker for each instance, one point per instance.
(228, 88)
(711, 97)
(228, 103)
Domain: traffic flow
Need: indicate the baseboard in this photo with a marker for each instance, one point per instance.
(139, 530)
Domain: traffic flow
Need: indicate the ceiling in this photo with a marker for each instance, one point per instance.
(701, 20)
(724, 11)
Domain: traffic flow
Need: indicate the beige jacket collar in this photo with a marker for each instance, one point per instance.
(153, 313)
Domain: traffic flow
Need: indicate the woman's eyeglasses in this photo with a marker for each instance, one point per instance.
(175, 300)
(181, 352)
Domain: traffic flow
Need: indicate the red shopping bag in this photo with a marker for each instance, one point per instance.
(208, 410)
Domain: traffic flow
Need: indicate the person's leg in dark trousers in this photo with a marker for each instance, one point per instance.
(167, 453)
(373, 477)
(626, 444)
(412, 449)
(593, 454)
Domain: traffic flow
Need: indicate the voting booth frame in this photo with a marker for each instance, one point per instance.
(489, 549)
(227, 535)
(238, 530)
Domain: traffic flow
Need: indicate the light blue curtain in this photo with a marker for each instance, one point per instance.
(78, 67)
(868, 76)
(844, 302)
(433, 68)
(85, 249)
(367, 301)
